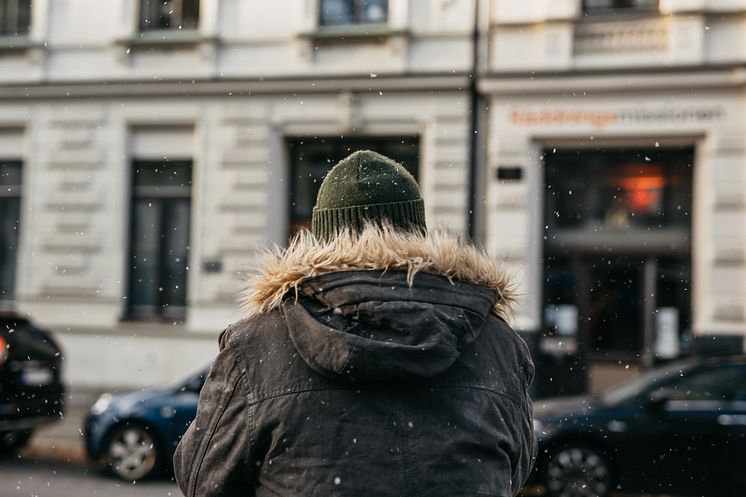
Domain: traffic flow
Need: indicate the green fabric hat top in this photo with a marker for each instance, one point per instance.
(367, 186)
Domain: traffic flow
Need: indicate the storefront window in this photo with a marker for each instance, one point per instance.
(617, 251)
(311, 159)
(618, 190)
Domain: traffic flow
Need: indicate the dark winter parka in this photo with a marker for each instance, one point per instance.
(377, 364)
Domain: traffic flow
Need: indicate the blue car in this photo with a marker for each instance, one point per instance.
(135, 434)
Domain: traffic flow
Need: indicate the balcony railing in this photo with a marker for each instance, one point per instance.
(620, 37)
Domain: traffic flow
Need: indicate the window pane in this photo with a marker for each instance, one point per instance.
(615, 318)
(10, 213)
(374, 11)
(601, 5)
(190, 14)
(169, 14)
(10, 173)
(158, 174)
(145, 263)
(336, 12)
(24, 17)
(175, 256)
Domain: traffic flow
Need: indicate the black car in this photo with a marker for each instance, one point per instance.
(679, 429)
(31, 389)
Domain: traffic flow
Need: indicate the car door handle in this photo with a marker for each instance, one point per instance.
(732, 420)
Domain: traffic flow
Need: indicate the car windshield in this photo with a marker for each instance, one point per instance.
(194, 380)
(638, 385)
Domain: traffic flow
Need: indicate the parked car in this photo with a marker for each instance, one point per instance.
(679, 429)
(135, 434)
(31, 389)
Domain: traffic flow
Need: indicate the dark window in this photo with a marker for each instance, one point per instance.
(311, 159)
(10, 219)
(168, 14)
(618, 189)
(159, 246)
(604, 6)
(340, 12)
(15, 17)
(617, 250)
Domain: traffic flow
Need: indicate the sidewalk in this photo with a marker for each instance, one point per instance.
(63, 441)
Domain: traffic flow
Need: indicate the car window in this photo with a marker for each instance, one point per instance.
(720, 383)
(643, 382)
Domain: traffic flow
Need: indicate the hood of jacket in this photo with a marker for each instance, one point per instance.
(383, 304)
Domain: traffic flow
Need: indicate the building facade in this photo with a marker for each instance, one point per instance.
(150, 150)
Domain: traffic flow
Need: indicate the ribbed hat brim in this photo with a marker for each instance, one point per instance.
(407, 215)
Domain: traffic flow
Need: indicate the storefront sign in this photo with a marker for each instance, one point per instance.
(601, 118)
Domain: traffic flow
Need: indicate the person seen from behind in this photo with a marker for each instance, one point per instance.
(374, 359)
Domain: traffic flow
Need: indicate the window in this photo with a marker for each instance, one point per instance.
(618, 189)
(159, 242)
(604, 6)
(312, 159)
(168, 14)
(341, 12)
(15, 17)
(10, 213)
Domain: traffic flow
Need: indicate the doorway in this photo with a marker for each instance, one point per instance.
(617, 257)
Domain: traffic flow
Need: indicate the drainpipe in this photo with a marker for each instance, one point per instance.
(475, 140)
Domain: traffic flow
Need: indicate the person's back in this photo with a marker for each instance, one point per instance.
(375, 361)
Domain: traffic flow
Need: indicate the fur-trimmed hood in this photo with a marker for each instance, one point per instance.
(377, 248)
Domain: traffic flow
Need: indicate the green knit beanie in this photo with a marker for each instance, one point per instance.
(367, 186)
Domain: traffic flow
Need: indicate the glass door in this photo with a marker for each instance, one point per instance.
(616, 256)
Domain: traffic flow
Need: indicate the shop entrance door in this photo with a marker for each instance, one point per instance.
(617, 265)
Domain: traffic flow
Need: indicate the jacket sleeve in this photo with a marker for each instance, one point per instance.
(527, 443)
(213, 457)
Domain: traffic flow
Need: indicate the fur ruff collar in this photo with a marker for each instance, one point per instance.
(376, 248)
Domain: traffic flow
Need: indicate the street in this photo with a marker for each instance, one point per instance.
(54, 463)
(20, 476)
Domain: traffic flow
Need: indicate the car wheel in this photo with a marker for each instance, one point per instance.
(132, 452)
(13, 440)
(578, 471)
